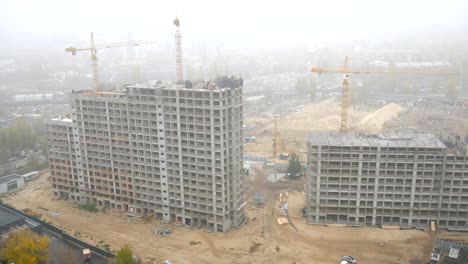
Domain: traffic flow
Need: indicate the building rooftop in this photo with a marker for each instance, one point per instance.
(155, 87)
(30, 173)
(9, 178)
(450, 252)
(218, 84)
(7, 216)
(334, 138)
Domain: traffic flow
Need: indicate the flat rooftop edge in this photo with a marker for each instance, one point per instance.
(9, 178)
(412, 140)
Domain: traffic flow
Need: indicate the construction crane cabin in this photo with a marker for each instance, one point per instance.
(94, 61)
(347, 73)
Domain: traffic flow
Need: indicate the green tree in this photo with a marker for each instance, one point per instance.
(26, 247)
(125, 255)
(294, 166)
(22, 134)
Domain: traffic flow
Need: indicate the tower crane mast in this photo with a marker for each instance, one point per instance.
(178, 40)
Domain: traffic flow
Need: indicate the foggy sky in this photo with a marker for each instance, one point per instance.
(233, 23)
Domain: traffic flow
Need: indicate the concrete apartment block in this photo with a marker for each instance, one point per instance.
(405, 180)
(65, 167)
(170, 151)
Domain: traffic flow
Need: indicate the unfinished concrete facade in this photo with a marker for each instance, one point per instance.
(405, 180)
(164, 150)
(64, 159)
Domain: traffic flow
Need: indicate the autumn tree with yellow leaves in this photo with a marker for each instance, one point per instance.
(26, 247)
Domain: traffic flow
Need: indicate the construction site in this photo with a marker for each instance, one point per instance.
(265, 237)
(262, 239)
(197, 172)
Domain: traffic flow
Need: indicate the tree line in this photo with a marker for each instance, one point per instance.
(27, 247)
(21, 134)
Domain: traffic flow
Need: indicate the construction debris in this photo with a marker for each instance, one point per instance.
(274, 177)
(254, 246)
(55, 214)
(282, 220)
(391, 227)
(258, 198)
(163, 232)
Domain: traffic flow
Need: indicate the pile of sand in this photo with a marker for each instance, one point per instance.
(295, 127)
(330, 122)
(374, 122)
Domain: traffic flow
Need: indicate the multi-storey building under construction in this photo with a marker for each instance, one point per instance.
(405, 180)
(171, 151)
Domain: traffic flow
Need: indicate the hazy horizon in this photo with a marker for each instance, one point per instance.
(231, 24)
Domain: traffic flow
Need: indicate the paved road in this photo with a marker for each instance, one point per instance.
(62, 251)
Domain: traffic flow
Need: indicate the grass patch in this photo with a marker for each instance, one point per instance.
(89, 207)
(106, 247)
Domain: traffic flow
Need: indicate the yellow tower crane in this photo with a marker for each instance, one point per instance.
(346, 74)
(278, 147)
(94, 61)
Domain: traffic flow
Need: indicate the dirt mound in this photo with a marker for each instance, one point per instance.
(375, 121)
(254, 247)
(293, 128)
(330, 122)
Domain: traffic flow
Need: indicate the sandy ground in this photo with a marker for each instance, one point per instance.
(293, 128)
(375, 122)
(260, 241)
(434, 118)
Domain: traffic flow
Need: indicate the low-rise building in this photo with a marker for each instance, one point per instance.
(30, 175)
(449, 252)
(11, 183)
(9, 220)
